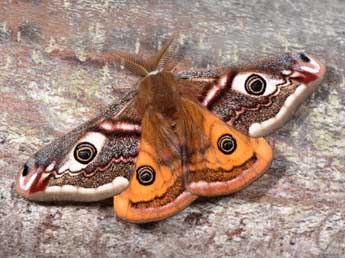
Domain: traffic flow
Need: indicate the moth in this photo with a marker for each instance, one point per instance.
(174, 136)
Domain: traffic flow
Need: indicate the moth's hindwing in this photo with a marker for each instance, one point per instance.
(220, 159)
(157, 189)
(198, 155)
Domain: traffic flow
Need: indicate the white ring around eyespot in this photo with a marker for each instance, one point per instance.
(96, 139)
(238, 83)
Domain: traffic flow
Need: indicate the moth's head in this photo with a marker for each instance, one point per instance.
(80, 166)
(271, 91)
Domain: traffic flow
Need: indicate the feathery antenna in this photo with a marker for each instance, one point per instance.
(142, 67)
(163, 60)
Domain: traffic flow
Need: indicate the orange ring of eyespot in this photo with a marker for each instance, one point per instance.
(82, 147)
(253, 79)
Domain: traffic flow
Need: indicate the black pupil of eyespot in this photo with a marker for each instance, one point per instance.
(256, 86)
(146, 176)
(228, 144)
(25, 170)
(85, 154)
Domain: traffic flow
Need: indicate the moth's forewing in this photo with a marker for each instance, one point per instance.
(90, 163)
(258, 99)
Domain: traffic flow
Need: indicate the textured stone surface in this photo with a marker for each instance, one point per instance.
(297, 209)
